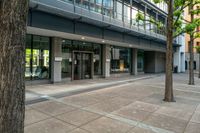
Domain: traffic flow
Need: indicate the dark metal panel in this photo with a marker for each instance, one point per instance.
(51, 22)
(113, 35)
(29, 18)
(131, 39)
(88, 30)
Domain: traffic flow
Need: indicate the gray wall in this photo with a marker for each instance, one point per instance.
(56, 64)
(160, 62)
(53, 22)
(154, 62)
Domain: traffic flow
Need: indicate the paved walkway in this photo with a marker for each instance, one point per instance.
(36, 92)
(123, 107)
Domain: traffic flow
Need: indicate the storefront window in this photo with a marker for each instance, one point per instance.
(68, 46)
(28, 58)
(120, 59)
(66, 58)
(140, 62)
(40, 58)
(97, 59)
(37, 57)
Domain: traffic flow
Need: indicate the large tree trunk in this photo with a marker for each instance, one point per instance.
(169, 97)
(191, 51)
(13, 16)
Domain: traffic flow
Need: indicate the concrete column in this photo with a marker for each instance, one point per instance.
(106, 61)
(177, 59)
(134, 70)
(182, 62)
(56, 60)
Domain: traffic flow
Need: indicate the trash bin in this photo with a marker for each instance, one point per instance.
(176, 69)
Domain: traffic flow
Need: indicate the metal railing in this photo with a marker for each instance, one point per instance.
(108, 15)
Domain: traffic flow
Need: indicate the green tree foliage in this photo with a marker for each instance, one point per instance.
(176, 25)
(180, 25)
(197, 49)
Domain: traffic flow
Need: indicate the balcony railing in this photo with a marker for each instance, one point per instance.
(107, 14)
(162, 5)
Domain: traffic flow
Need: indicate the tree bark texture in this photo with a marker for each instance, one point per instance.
(169, 97)
(13, 17)
(191, 51)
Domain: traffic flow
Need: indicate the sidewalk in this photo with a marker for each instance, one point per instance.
(127, 107)
(40, 92)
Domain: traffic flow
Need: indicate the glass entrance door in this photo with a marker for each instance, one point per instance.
(82, 65)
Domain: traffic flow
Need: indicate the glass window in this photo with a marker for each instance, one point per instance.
(127, 13)
(40, 57)
(97, 59)
(86, 4)
(147, 23)
(66, 59)
(28, 58)
(37, 57)
(140, 62)
(85, 46)
(98, 7)
(67, 48)
(141, 23)
(120, 59)
(119, 10)
(78, 2)
(92, 5)
(134, 14)
(68, 1)
(108, 7)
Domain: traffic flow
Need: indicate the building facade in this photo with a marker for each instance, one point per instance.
(85, 39)
(187, 43)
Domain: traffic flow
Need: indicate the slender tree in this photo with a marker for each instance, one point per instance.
(193, 33)
(13, 17)
(169, 96)
(191, 46)
(176, 26)
(198, 51)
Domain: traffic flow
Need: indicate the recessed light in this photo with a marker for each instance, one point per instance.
(63, 41)
(103, 41)
(83, 38)
(130, 45)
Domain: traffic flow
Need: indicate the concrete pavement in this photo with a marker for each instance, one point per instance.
(132, 106)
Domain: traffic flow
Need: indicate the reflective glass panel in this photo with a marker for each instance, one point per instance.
(28, 58)
(66, 59)
(97, 59)
(119, 10)
(140, 62)
(120, 59)
(127, 13)
(40, 57)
